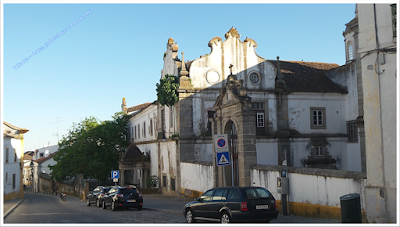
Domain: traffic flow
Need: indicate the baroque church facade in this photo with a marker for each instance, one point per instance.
(306, 114)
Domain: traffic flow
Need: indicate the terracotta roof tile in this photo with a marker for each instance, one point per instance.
(138, 107)
(22, 130)
(308, 76)
(40, 160)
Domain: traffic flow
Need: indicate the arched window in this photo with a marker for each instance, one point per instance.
(350, 50)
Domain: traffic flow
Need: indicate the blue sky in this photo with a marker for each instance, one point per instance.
(116, 51)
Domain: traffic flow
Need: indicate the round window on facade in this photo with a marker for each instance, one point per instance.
(212, 76)
(254, 78)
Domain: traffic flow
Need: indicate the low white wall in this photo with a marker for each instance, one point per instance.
(324, 188)
(198, 177)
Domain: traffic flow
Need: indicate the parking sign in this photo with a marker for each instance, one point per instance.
(115, 174)
(221, 144)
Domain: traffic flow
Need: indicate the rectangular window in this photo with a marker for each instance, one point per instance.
(260, 120)
(135, 133)
(132, 133)
(164, 181)
(15, 155)
(257, 106)
(144, 129)
(319, 151)
(7, 155)
(171, 117)
(139, 131)
(13, 181)
(163, 120)
(41, 154)
(151, 127)
(172, 184)
(317, 115)
(394, 19)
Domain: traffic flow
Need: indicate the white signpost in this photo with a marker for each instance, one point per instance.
(222, 152)
(115, 175)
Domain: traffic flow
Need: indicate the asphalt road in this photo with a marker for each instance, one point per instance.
(39, 208)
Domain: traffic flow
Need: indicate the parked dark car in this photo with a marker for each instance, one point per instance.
(123, 197)
(233, 204)
(96, 195)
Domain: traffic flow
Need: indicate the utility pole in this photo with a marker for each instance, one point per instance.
(56, 134)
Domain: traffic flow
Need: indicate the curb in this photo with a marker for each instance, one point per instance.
(12, 209)
(164, 211)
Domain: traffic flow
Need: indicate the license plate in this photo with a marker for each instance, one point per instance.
(131, 200)
(262, 207)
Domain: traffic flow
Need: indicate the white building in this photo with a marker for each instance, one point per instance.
(307, 110)
(45, 151)
(13, 153)
(378, 39)
(40, 168)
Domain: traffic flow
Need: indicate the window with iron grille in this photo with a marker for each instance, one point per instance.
(164, 181)
(317, 115)
(352, 132)
(173, 184)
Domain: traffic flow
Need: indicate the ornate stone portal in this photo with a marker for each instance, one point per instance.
(234, 118)
(134, 167)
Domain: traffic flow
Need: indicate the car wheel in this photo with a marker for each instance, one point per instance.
(189, 216)
(225, 219)
(87, 202)
(139, 208)
(98, 203)
(113, 207)
(104, 205)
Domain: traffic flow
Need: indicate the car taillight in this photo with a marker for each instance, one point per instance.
(120, 195)
(243, 206)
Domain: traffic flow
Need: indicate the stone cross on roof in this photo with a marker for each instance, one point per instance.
(230, 67)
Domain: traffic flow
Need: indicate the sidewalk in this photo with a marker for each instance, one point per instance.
(174, 205)
(10, 205)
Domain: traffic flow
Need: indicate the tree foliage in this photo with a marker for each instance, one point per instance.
(167, 90)
(91, 148)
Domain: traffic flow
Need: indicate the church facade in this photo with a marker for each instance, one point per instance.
(306, 114)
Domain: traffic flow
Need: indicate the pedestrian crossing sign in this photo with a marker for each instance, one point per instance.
(223, 158)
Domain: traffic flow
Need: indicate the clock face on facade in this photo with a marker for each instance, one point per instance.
(254, 78)
(212, 76)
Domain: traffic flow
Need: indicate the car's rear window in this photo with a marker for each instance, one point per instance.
(255, 193)
(126, 190)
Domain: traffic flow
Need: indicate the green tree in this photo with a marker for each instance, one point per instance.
(167, 90)
(91, 148)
